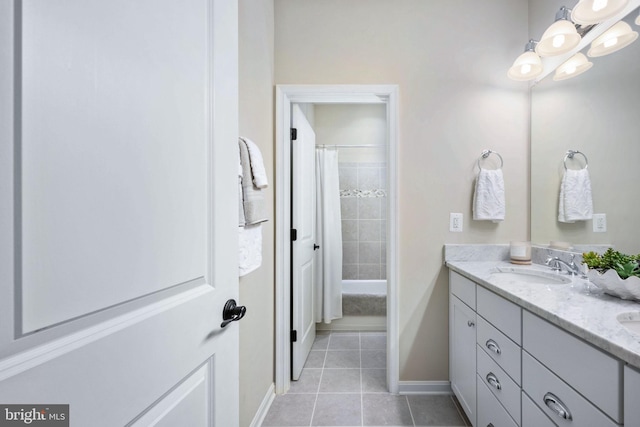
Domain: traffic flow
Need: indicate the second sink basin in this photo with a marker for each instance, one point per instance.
(526, 275)
(631, 321)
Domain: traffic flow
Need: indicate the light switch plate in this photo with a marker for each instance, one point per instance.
(599, 223)
(455, 222)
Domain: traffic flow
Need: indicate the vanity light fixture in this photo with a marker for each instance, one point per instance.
(527, 66)
(589, 12)
(560, 37)
(615, 38)
(574, 66)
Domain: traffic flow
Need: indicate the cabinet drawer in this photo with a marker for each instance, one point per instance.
(593, 373)
(505, 352)
(490, 411)
(502, 387)
(553, 396)
(503, 314)
(463, 288)
(532, 416)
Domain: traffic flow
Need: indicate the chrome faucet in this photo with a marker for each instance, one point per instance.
(556, 264)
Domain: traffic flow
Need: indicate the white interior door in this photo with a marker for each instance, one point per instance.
(117, 233)
(304, 222)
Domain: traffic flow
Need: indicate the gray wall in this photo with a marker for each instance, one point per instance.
(450, 60)
(257, 329)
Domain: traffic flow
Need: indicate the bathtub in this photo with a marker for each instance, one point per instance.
(374, 287)
(364, 307)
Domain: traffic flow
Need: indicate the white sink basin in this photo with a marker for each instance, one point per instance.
(527, 275)
(630, 320)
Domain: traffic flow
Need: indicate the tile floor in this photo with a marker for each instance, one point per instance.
(343, 383)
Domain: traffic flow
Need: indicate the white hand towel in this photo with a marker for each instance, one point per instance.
(250, 244)
(488, 198)
(257, 164)
(575, 202)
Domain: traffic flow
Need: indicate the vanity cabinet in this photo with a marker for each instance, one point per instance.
(462, 342)
(564, 375)
(631, 397)
(524, 371)
(484, 359)
(498, 354)
(490, 411)
(532, 416)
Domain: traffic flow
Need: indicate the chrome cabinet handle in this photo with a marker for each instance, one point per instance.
(555, 404)
(493, 346)
(470, 323)
(493, 380)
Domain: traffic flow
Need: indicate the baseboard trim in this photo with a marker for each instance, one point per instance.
(261, 413)
(355, 323)
(424, 387)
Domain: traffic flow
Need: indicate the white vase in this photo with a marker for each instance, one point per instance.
(612, 284)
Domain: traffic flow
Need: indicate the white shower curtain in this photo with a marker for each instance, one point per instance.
(328, 281)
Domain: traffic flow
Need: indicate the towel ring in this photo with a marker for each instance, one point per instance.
(570, 155)
(486, 154)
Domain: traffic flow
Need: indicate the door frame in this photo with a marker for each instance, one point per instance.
(286, 95)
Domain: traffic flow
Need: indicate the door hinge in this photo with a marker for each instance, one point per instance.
(294, 234)
(294, 336)
(294, 134)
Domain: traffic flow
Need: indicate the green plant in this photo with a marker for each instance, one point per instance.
(627, 270)
(625, 265)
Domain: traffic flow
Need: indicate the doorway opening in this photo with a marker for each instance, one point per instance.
(378, 197)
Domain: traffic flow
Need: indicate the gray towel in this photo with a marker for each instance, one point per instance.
(241, 220)
(253, 200)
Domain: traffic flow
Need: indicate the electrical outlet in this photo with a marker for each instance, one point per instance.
(455, 222)
(599, 223)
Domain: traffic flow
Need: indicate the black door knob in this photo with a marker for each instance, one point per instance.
(316, 246)
(232, 312)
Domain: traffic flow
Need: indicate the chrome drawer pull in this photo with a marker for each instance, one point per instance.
(470, 323)
(493, 346)
(555, 404)
(493, 380)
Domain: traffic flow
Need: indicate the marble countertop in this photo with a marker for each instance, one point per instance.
(590, 317)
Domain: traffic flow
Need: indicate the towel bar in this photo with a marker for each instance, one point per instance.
(570, 155)
(486, 154)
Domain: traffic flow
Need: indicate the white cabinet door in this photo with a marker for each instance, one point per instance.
(462, 354)
(304, 222)
(118, 226)
(631, 397)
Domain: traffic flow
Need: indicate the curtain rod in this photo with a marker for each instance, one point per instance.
(351, 146)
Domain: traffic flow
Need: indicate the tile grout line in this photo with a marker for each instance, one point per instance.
(361, 391)
(313, 412)
(413, 421)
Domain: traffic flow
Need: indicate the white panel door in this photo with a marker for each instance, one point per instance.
(304, 222)
(117, 223)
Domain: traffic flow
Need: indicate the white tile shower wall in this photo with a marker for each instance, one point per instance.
(363, 207)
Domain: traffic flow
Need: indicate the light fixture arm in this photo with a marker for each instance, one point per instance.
(531, 45)
(564, 13)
